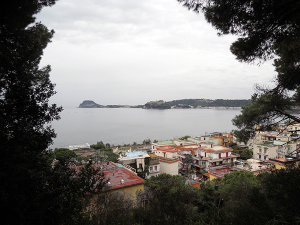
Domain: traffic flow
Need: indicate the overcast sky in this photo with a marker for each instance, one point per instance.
(135, 51)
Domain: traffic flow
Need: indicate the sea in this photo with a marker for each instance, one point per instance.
(119, 126)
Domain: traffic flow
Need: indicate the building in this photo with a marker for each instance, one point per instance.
(137, 160)
(154, 167)
(214, 156)
(121, 180)
(208, 156)
(154, 146)
(273, 149)
(283, 162)
(168, 159)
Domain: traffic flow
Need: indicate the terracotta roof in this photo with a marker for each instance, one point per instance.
(167, 149)
(282, 160)
(222, 137)
(196, 184)
(221, 172)
(121, 177)
(117, 173)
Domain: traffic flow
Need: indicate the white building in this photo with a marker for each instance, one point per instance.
(274, 149)
(168, 159)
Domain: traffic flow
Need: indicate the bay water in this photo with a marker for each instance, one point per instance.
(119, 126)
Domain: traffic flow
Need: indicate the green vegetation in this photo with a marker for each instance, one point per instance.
(188, 161)
(157, 105)
(238, 198)
(64, 153)
(194, 103)
(90, 104)
(210, 103)
(33, 190)
(185, 137)
(244, 153)
(99, 145)
(265, 30)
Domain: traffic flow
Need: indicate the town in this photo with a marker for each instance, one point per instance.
(198, 159)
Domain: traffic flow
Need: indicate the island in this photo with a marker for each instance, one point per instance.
(177, 104)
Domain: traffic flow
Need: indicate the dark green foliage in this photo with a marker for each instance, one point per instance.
(238, 198)
(68, 192)
(157, 105)
(25, 114)
(168, 201)
(99, 145)
(185, 137)
(188, 103)
(281, 189)
(113, 208)
(188, 161)
(64, 153)
(32, 191)
(266, 29)
(246, 154)
(113, 157)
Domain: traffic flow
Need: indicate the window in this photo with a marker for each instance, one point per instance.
(155, 168)
(150, 168)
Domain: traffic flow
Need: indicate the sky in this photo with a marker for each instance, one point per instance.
(135, 51)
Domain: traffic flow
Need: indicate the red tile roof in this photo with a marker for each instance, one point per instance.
(117, 174)
(221, 172)
(197, 184)
(222, 137)
(167, 149)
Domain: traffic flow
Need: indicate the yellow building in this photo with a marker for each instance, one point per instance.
(281, 163)
(121, 180)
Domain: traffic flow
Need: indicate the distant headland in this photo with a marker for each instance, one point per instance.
(177, 104)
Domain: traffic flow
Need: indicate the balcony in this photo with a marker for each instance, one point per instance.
(154, 161)
(200, 166)
(216, 167)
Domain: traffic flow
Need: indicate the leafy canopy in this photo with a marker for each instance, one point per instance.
(32, 190)
(266, 29)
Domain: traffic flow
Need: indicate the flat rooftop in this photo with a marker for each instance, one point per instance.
(222, 171)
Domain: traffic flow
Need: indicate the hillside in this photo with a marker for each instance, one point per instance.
(90, 104)
(196, 103)
(176, 104)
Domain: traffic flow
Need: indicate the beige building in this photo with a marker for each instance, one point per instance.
(168, 159)
(273, 149)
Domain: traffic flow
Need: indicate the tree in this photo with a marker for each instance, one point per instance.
(167, 200)
(64, 153)
(32, 190)
(185, 137)
(25, 113)
(266, 30)
(99, 145)
(71, 190)
(188, 161)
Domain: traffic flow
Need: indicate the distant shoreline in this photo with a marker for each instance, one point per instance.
(178, 104)
(221, 107)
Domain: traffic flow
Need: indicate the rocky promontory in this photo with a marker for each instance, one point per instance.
(90, 104)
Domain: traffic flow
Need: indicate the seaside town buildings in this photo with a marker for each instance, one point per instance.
(212, 155)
